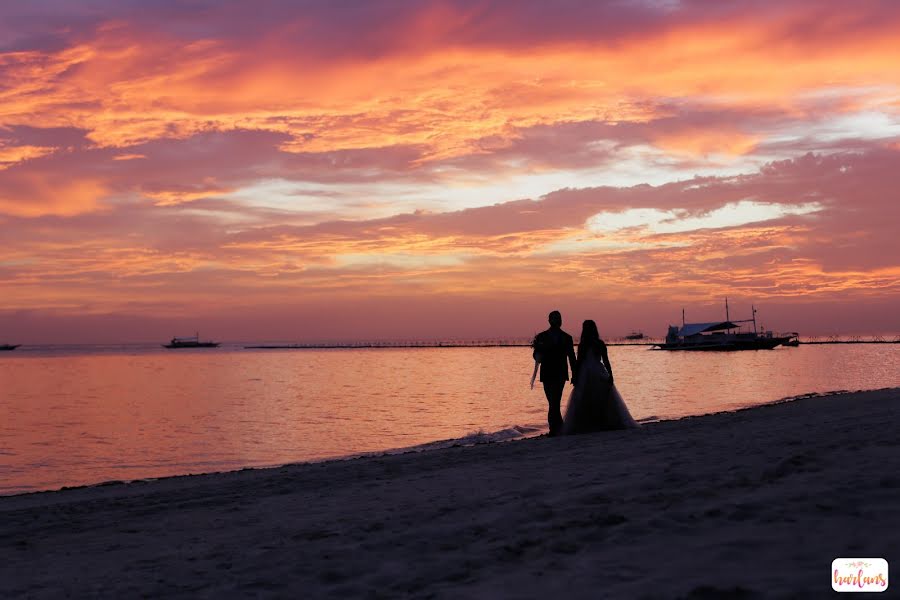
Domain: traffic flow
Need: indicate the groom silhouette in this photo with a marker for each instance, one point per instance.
(551, 349)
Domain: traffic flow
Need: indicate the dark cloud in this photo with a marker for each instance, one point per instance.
(51, 137)
(370, 29)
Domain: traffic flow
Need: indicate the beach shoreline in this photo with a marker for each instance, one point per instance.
(754, 502)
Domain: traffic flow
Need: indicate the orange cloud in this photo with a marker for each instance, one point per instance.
(15, 154)
(36, 194)
(125, 86)
(703, 142)
(172, 196)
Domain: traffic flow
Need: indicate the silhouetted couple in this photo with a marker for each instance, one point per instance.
(594, 404)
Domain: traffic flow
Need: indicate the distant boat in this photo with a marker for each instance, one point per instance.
(793, 339)
(635, 335)
(720, 336)
(9, 346)
(190, 342)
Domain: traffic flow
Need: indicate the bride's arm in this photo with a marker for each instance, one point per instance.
(537, 362)
(605, 356)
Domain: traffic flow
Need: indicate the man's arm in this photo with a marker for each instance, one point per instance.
(537, 345)
(537, 363)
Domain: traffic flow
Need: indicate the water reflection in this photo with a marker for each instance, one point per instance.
(80, 418)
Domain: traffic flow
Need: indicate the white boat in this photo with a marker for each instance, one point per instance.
(721, 336)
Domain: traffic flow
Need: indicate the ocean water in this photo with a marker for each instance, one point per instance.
(84, 415)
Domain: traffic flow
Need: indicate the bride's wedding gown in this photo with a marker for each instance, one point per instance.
(593, 404)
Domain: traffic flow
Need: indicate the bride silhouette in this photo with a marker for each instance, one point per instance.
(595, 404)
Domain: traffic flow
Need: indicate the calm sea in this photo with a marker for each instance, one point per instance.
(82, 415)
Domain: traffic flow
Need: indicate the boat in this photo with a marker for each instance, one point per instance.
(9, 346)
(635, 335)
(721, 336)
(190, 342)
(793, 339)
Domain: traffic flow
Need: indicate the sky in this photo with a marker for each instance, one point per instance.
(445, 169)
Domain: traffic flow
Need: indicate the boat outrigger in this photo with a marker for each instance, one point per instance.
(721, 335)
(190, 342)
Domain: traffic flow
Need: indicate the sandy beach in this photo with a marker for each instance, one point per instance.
(753, 503)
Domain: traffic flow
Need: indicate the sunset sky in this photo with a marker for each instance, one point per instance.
(363, 169)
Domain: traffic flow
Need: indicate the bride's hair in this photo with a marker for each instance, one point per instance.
(590, 337)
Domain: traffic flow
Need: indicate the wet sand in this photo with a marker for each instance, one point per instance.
(754, 503)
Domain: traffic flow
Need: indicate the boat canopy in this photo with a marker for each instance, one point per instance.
(690, 329)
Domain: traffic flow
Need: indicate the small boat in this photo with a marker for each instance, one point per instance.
(720, 336)
(9, 346)
(635, 335)
(190, 342)
(793, 339)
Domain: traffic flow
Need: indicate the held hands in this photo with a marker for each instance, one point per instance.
(532, 382)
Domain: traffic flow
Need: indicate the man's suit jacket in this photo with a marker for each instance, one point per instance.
(552, 348)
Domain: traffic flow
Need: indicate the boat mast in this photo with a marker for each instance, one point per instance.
(753, 310)
(682, 317)
(727, 317)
